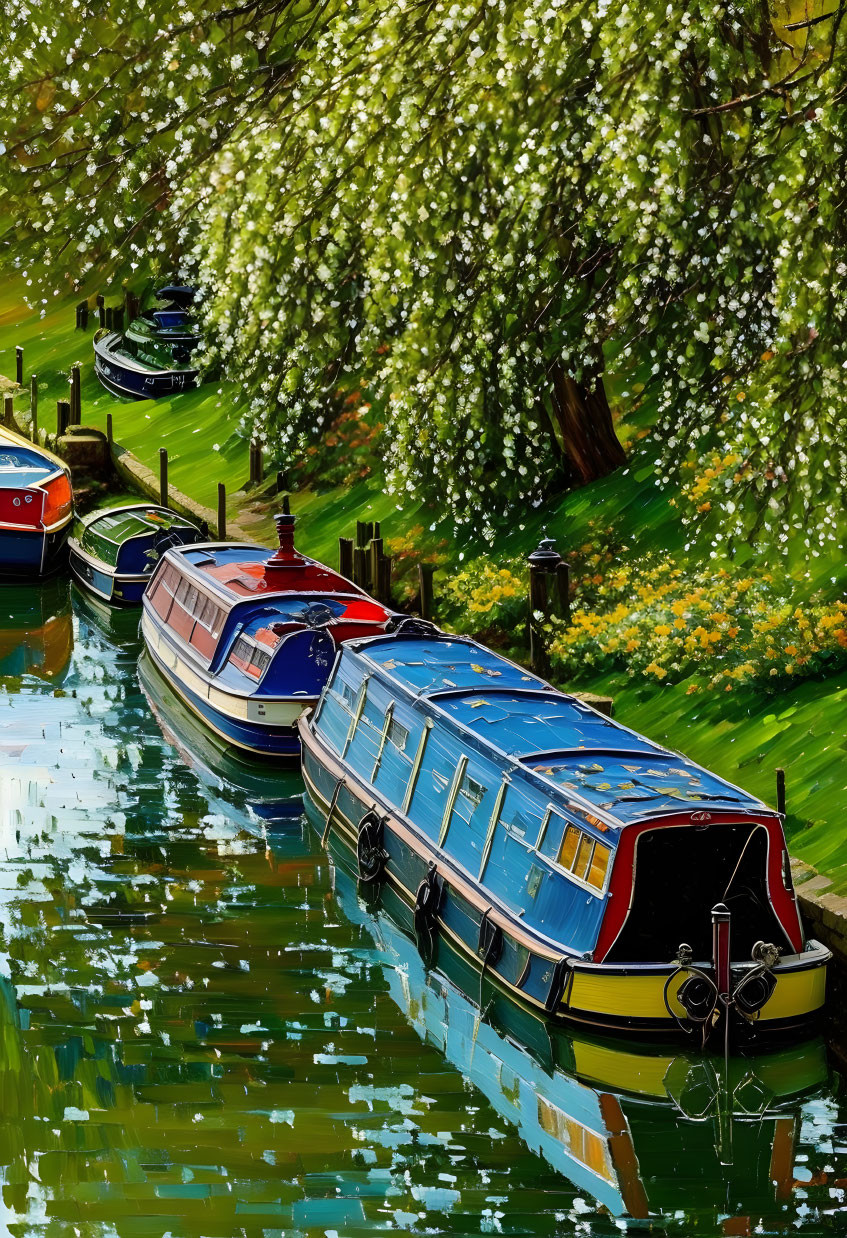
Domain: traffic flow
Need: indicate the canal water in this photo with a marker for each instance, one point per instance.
(206, 1029)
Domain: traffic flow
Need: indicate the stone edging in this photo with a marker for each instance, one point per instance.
(130, 469)
(826, 914)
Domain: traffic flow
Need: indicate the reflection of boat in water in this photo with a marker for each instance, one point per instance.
(271, 795)
(646, 1131)
(36, 630)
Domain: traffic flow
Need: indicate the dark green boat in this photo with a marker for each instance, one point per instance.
(113, 552)
(152, 358)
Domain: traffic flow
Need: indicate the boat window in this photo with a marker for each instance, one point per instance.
(584, 856)
(191, 596)
(170, 578)
(397, 735)
(472, 790)
(182, 590)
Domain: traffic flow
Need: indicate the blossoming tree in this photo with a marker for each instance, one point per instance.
(490, 215)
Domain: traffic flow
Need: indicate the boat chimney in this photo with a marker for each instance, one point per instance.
(286, 552)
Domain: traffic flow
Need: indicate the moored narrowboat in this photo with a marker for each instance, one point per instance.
(247, 638)
(36, 507)
(113, 552)
(601, 1110)
(594, 874)
(152, 358)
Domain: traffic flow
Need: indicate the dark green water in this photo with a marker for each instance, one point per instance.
(206, 1032)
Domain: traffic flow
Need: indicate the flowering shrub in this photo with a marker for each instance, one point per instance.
(666, 623)
(485, 595)
(407, 551)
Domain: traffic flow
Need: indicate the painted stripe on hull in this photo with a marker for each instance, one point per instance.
(627, 998)
(249, 737)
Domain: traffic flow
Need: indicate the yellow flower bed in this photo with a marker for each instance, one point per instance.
(660, 621)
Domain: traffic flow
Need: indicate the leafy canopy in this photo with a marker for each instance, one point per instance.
(456, 204)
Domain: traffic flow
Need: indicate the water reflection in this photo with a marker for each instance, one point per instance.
(204, 1032)
(36, 632)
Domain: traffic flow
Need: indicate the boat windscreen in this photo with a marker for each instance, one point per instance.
(20, 466)
(628, 786)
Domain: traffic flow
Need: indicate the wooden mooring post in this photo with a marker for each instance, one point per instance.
(345, 557)
(780, 791)
(63, 416)
(221, 512)
(110, 432)
(19, 365)
(163, 476)
(8, 412)
(426, 572)
(82, 316)
(33, 407)
(76, 395)
(101, 309)
(257, 471)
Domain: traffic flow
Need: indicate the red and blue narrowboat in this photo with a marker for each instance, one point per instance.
(36, 507)
(594, 874)
(247, 638)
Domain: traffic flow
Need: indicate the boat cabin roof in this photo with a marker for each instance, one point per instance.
(247, 571)
(120, 523)
(22, 464)
(584, 755)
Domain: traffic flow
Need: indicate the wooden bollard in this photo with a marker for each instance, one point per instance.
(101, 309)
(63, 416)
(131, 303)
(345, 557)
(19, 365)
(163, 477)
(376, 553)
(109, 317)
(563, 591)
(33, 407)
(383, 585)
(82, 315)
(360, 567)
(76, 396)
(8, 411)
(110, 435)
(256, 468)
(221, 512)
(361, 533)
(118, 318)
(425, 574)
(780, 791)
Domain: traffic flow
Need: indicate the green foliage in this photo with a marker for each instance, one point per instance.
(466, 207)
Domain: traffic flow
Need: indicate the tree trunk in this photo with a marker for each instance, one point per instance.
(584, 423)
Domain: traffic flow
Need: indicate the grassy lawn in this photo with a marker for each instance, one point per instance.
(742, 737)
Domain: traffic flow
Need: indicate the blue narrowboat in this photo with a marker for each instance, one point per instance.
(247, 637)
(152, 358)
(36, 507)
(596, 875)
(602, 1111)
(113, 552)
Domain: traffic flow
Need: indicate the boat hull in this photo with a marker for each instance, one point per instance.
(135, 382)
(533, 970)
(103, 581)
(225, 713)
(25, 552)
